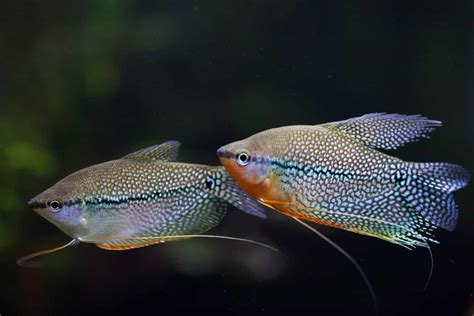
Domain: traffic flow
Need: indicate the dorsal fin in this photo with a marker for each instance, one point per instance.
(385, 131)
(167, 151)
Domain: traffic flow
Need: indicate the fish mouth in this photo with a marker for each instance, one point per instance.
(222, 153)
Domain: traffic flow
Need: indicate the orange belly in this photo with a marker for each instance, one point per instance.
(270, 194)
(282, 202)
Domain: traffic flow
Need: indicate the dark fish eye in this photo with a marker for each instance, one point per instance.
(55, 205)
(243, 158)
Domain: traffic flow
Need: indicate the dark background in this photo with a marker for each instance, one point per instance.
(83, 82)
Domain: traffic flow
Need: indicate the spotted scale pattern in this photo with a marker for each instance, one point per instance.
(141, 198)
(144, 198)
(386, 131)
(332, 175)
(352, 192)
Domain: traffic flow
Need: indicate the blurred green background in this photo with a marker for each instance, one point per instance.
(88, 81)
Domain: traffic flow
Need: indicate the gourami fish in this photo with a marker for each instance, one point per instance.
(333, 174)
(141, 199)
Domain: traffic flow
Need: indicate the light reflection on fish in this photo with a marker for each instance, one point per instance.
(142, 199)
(333, 174)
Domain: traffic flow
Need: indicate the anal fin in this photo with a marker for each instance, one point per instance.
(135, 242)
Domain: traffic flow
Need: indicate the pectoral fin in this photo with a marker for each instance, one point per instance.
(240, 199)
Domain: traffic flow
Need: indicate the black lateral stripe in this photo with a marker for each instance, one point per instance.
(138, 198)
(323, 171)
(225, 154)
(72, 202)
(36, 204)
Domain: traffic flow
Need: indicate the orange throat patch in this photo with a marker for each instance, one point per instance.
(266, 191)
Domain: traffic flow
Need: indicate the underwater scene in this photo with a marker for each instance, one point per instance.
(236, 157)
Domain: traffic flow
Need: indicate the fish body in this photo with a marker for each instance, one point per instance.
(141, 199)
(334, 174)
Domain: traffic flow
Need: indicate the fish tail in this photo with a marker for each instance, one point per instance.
(229, 191)
(429, 187)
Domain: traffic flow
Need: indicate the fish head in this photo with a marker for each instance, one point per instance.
(248, 162)
(62, 206)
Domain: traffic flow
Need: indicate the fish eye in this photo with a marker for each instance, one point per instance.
(55, 205)
(243, 158)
